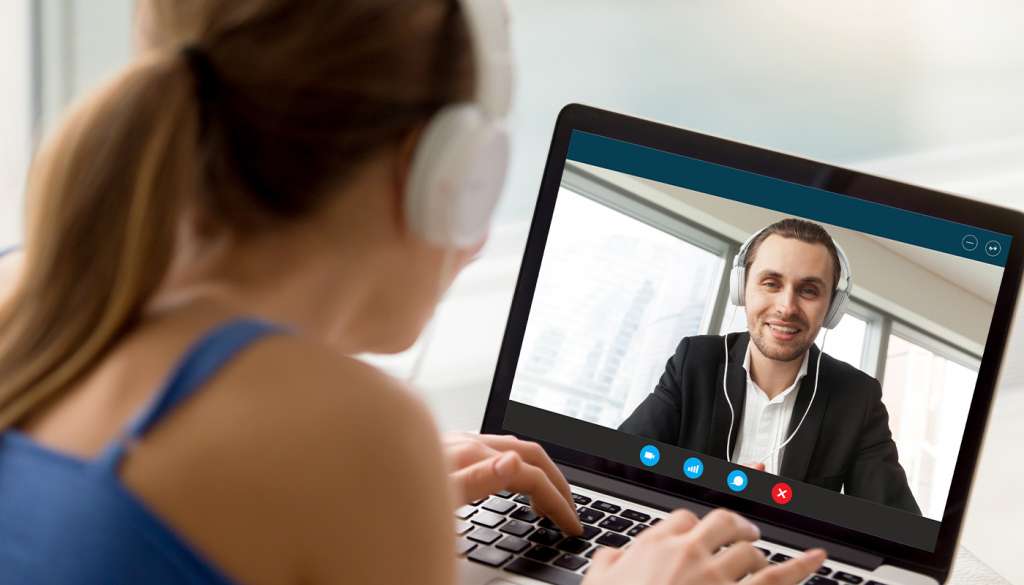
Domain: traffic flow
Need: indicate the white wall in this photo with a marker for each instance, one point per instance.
(82, 43)
(16, 121)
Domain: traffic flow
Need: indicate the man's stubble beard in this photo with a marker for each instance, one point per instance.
(772, 354)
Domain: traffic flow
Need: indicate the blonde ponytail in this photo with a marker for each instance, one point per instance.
(102, 206)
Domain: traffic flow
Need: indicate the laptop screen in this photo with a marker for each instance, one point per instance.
(825, 368)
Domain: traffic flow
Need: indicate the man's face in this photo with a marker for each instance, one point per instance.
(788, 290)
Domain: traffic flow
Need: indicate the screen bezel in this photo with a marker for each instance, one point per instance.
(804, 172)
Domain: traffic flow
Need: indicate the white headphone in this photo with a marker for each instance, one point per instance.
(459, 166)
(836, 310)
(840, 298)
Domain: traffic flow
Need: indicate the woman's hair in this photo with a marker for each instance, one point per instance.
(274, 105)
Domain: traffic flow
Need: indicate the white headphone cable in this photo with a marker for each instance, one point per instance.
(817, 373)
(732, 412)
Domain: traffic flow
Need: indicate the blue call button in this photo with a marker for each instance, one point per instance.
(650, 455)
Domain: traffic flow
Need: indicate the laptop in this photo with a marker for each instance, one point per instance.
(625, 341)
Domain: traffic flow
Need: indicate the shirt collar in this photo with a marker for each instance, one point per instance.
(800, 375)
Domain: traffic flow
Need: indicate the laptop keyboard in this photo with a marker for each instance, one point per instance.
(503, 532)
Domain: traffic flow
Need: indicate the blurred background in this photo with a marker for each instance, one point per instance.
(925, 91)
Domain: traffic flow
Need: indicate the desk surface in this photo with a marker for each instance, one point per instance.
(969, 570)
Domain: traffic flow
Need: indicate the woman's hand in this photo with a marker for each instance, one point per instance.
(682, 550)
(484, 464)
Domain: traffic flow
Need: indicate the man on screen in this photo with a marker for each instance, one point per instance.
(780, 405)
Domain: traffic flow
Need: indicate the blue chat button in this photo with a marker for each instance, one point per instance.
(737, 481)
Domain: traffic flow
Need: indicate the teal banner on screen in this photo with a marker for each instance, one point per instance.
(789, 198)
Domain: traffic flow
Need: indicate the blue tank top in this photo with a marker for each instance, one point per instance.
(67, 520)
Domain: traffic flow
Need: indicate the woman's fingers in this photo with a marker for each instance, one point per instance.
(486, 477)
(533, 454)
(509, 471)
(545, 496)
(790, 572)
(679, 522)
(463, 450)
(740, 560)
(720, 528)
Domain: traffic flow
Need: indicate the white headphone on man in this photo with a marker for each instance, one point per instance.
(836, 310)
(840, 298)
(458, 168)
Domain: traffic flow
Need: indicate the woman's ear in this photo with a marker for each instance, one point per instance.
(404, 158)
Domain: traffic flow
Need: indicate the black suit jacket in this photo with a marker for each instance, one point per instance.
(845, 443)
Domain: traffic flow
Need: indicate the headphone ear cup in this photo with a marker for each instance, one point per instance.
(737, 281)
(837, 310)
(456, 177)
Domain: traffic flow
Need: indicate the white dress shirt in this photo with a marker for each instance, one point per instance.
(765, 422)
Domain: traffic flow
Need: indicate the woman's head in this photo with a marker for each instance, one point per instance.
(302, 102)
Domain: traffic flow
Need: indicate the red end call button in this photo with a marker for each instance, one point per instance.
(782, 493)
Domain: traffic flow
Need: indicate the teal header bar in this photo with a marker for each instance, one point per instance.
(810, 203)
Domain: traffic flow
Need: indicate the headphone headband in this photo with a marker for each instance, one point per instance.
(487, 21)
(459, 166)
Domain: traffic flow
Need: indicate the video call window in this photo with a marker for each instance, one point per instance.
(632, 266)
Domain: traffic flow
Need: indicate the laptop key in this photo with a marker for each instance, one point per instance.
(545, 536)
(581, 499)
(654, 521)
(465, 512)
(847, 577)
(590, 553)
(463, 546)
(571, 562)
(780, 558)
(513, 544)
(489, 556)
(636, 530)
(588, 516)
(606, 507)
(612, 539)
(764, 551)
(548, 523)
(635, 516)
(488, 519)
(545, 573)
(819, 580)
(589, 532)
(462, 527)
(484, 535)
(499, 506)
(517, 528)
(823, 570)
(504, 494)
(541, 553)
(615, 524)
(573, 545)
(522, 499)
(874, 583)
(525, 514)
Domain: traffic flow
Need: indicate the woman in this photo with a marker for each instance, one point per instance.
(209, 237)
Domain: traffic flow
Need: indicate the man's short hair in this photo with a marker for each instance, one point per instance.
(797, 229)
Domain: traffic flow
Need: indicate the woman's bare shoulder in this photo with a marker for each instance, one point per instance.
(332, 450)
